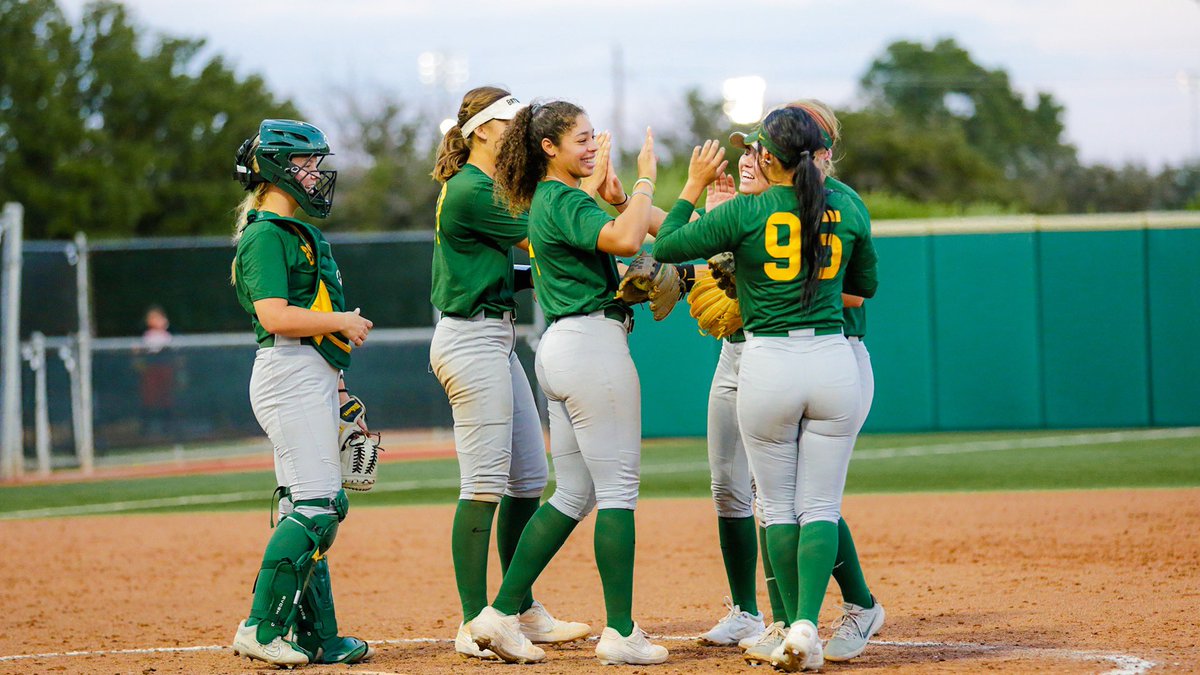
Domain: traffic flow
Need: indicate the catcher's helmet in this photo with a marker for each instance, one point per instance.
(267, 158)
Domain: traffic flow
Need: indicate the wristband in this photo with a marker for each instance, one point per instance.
(643, 180)
(343, 391)
(622, 202)
(644, 192)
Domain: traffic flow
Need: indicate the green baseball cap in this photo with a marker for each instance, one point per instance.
(758, 135)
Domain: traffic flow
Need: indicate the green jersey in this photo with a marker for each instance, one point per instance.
(472, 247)
(571, 276)
(280, 257)
(763, 232)
(855, 317)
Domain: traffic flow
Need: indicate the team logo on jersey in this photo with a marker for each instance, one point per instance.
(308, 253)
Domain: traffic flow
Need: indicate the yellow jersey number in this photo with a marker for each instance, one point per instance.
(437, 218)
(533, 260)
(788, 262)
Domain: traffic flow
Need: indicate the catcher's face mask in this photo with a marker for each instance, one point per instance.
(288, 154)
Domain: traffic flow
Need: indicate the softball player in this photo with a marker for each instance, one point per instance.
(287, 281)
(497, 431)
(583, 366)
(862, 616)
(798, 391)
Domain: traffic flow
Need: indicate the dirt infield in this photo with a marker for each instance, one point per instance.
(1093, 581)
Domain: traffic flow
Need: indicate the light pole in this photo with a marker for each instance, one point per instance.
(1190, 82)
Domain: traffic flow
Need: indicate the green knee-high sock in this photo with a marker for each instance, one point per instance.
(739, 549)
(847, 571)
(546, 532)
(778, 610)
(469, 538)
(515, 513)
(817, 551)
(782, 544)
(615, 542)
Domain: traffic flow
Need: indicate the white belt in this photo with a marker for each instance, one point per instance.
(795, 332)
(853, 338)
(281, 341)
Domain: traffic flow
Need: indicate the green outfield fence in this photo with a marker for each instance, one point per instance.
(993, 323)
(1016, 322)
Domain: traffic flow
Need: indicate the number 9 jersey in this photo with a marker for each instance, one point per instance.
(763, 232)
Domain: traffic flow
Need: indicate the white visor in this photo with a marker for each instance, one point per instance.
(504, 109)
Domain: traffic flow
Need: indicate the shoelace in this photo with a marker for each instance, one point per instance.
(775, 631)
(734, 610)
(847, 626)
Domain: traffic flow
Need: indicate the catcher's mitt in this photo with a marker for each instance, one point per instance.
(717, 314)
(722, 267)
(648, 279)
(359, 450)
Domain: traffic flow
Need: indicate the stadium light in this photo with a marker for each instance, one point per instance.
(744, 98)
(446, 125)
(440, 69)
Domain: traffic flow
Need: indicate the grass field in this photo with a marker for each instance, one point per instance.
(989, 461)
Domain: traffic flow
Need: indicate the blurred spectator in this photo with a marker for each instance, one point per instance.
(157, 368)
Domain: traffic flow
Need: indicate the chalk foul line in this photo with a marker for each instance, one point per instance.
(1124, 664)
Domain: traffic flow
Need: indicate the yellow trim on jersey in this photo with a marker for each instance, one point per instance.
(437, 215)
(323, 303)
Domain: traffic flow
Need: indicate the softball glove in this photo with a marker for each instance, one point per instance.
(649, 280)
(715, 312)
(358, 449)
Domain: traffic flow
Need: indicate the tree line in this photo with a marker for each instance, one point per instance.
(109, 129)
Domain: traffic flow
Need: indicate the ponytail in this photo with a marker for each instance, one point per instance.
(452, 155)
(810, 195)
(521, 163)
(252, 202)
(798, 137)
(455, 149)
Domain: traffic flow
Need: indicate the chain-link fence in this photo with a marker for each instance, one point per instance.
(181, 378)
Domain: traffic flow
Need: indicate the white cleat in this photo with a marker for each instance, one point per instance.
(734, 628)
(501, 634)
(852, 632)
(277, 652)
(465, 646)
(803, 644)
(759, 653)
(539, 626)
(615, 650)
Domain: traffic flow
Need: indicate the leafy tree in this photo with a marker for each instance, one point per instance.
(103, 135)
(941, 87)
(386, 183)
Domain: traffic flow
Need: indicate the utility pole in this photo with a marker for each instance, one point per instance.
(618, 77)
(1189, 81)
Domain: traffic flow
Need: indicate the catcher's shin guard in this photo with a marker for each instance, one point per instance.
(316, 623)
(288, 562)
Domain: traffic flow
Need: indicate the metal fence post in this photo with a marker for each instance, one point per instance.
(85, 441)
(36, 355)
(12, 457)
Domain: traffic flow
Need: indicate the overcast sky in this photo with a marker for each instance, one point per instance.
(1116, 66)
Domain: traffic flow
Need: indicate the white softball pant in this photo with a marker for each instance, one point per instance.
(798, 410)
(591, 385)
(497, 431)
(732, 488)
(866, 381)
(293, 392)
